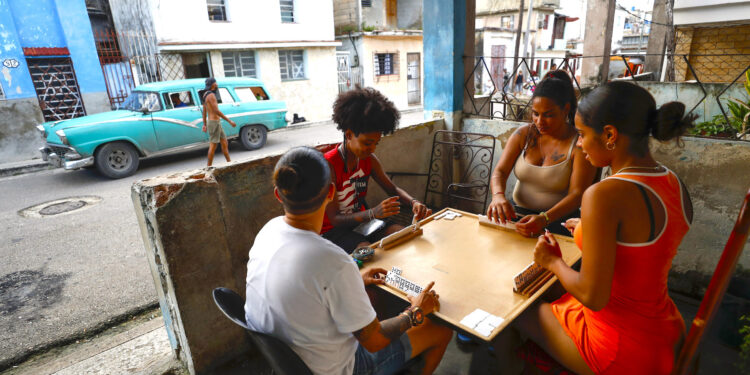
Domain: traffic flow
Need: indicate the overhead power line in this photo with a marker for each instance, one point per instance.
(639, 17)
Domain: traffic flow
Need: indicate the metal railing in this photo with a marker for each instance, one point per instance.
(499, 98)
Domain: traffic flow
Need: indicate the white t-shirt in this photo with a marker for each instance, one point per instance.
(308, 292)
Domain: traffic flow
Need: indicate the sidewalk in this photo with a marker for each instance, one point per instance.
(21, 167)
(141, 346)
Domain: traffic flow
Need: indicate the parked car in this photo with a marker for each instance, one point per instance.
(159, 118)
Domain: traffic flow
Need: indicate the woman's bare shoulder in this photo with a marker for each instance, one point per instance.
(609, 191)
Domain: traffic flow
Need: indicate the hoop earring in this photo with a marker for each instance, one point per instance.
(611, 146)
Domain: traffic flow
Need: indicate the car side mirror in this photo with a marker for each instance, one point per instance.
(144, 110)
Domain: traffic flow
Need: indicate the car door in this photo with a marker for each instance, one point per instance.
(179, 125)
(258, 108)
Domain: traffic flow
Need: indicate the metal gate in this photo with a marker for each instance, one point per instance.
(497, 69)
(118, 76)
(56, 88)
(413, 82)
(344, 72)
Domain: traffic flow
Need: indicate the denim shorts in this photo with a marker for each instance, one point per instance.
(388, 360)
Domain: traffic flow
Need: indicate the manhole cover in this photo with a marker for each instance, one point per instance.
(60, 206)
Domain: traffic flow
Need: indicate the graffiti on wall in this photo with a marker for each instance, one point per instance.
(10, 63)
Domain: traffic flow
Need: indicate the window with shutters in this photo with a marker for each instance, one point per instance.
(287, 10)
(506, 22)
(385, 64)
(239, 64)
(217, 10)
(292, 64)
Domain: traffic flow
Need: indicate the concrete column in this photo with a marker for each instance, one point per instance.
(657, 40)
(444, 33)
(597, 41)
(469, 50)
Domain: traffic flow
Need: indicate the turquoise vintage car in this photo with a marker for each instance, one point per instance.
(158, 118)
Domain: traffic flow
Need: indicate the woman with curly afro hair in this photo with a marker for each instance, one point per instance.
(364, 115)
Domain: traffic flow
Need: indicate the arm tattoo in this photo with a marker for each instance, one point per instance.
(394, 327)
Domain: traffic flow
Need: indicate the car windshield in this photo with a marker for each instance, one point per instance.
(140, 99)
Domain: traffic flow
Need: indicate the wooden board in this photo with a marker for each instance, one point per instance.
(472, 265)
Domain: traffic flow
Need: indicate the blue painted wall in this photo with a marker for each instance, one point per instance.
(76, 29)
(16, 81)
(444, 37)
(37, 23)
(46, 23)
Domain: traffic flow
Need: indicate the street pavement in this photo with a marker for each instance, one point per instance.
(67, 275)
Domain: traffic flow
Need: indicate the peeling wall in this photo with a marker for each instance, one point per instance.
(19, 139)
(691, 93)
(312, 97)
(409, 13)
(418, 140)
(374, 15)
(713, 171)
(134, 17)
(44, 23)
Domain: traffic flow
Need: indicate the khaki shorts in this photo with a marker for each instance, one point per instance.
(215, 132)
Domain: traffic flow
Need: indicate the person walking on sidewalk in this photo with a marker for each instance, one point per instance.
(211, 115)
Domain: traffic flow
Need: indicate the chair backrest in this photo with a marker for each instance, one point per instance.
(282, 359)
(716, 289)
(460, 170)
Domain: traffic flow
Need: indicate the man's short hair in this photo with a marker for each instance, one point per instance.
(365, 110)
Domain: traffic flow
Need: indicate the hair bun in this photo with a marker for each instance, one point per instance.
(558, 74)
(670, 121)
(287, 178)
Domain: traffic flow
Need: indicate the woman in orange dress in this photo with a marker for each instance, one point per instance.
(616, 317)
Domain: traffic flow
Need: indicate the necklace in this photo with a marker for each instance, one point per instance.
(656, 168)
(343, 156)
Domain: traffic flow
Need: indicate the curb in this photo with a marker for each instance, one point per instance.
(98, 328)
(14, 170)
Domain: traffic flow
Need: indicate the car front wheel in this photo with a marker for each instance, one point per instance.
(253, 137)
(116, 160)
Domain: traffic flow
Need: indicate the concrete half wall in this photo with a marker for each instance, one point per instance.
(691, 93)
(19, 138)
(198, 227)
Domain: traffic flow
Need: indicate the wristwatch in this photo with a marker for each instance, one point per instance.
(416, 315)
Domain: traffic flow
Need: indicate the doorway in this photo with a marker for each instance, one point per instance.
(413, 79)
(497, 68)
(197, 65)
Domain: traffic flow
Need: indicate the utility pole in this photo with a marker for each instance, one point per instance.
(526, 38)
(597, 42)
(518, 41)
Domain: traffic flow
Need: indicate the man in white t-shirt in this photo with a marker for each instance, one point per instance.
(308, 292)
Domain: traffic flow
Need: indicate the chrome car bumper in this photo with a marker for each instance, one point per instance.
(69, 160)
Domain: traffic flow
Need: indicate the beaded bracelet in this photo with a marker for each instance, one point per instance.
(543, 213)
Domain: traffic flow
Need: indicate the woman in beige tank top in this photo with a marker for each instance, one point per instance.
(552, 173)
